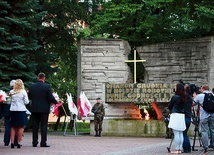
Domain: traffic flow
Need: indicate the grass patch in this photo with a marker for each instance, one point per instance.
(81, 127)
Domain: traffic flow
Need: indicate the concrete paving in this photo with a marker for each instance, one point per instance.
(90, 145)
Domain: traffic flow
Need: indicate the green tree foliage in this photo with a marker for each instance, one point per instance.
(19, 24)
(65, 79)
(59, 37)
(153, 21)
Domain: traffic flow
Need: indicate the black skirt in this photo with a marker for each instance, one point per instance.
(18, 118)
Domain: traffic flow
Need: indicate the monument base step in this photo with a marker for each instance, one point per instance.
(139, 128)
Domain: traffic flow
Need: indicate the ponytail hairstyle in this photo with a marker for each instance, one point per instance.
(181, 92)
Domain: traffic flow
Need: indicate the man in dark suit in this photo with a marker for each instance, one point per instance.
(40, 94)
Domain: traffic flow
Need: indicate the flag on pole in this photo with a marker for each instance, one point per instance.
(56, 106)
(71, 105)
(56, 109)
(84, 105)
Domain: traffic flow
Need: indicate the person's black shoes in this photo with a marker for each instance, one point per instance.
(210, 146)
(12, 146)
(19, 146)
(96, 135)
(34, 144)
(41, 145)
(45, 145)
(99, 135)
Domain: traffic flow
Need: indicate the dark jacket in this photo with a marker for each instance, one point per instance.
(175, 105)
(41, 97)
(188, 107)
(5, 110)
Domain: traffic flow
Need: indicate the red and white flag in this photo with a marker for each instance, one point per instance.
(55, 108)
(71, 105)
(84, 105)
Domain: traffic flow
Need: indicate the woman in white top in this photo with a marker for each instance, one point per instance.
(19, 99)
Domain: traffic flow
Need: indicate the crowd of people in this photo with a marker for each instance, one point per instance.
(41, 96)
(180, 107)
(15, 111)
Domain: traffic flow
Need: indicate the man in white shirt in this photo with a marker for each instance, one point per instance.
(206, 118)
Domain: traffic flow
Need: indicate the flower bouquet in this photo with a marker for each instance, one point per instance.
(3, 96)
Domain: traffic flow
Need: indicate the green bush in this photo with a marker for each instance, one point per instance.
(81, 127)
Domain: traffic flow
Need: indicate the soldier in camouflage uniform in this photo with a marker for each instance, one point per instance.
(99, 113)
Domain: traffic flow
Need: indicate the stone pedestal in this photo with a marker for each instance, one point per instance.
(138, 128)
(113, 127)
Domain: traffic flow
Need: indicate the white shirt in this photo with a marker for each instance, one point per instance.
(199, 100)
(19, 100)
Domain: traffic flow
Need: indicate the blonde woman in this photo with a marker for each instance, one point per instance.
(19, 99)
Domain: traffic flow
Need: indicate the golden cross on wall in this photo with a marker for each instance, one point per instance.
(135, 65)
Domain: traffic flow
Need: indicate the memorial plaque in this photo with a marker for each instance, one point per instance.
(139, 92)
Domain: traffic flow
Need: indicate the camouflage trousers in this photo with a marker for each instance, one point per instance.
(98, 121)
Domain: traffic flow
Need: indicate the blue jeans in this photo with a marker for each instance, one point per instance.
(186, 143)
(207, 125)
(178, 139)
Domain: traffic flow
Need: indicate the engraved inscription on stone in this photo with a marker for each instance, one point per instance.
(140, 92)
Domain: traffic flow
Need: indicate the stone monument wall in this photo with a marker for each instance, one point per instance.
(102, 61)
(191, 60)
